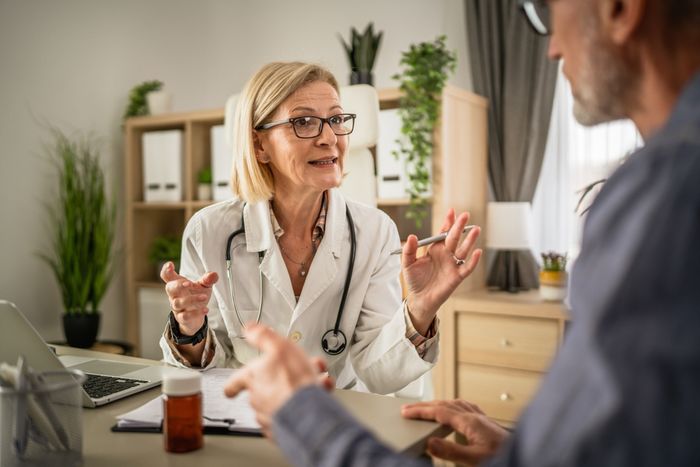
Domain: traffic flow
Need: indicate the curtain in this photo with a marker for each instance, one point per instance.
(575, 156)
(510, 68)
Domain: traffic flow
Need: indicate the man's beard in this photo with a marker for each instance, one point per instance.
(604, 83)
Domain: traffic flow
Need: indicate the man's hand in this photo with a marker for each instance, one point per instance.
(483, 435)
(276, 375)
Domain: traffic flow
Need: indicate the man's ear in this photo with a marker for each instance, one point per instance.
(259, 149)
(621, 18)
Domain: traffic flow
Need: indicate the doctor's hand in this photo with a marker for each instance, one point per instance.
(188, 299)
(431, 278)
(483, 435)
(274, 377)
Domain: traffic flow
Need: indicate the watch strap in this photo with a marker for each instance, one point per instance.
(181, 339)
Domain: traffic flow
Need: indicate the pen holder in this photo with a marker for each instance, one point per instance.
(42, 425)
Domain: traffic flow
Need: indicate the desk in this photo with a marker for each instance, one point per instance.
(103, 448)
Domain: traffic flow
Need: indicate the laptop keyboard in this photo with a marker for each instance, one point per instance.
(100, 385)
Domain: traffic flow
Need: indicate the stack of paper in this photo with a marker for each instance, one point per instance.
(219, 411)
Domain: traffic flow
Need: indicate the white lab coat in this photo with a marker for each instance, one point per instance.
(378, 352)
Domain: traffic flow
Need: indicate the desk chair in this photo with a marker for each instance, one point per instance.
(359, 183)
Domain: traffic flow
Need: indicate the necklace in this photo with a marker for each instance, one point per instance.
(302, 269)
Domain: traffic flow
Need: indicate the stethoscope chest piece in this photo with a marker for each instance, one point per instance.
(333, 342)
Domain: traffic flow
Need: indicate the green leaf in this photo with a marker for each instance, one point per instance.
(426, 67)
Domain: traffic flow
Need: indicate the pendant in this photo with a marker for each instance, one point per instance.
(302, 273)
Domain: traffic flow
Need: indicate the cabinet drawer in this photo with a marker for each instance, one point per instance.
(506, 341)
(500, 393)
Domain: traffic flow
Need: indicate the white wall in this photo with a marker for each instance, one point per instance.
(71, 63)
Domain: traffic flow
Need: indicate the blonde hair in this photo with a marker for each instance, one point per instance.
(252, 181)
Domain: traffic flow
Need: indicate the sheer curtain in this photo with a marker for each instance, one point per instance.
(575, 156)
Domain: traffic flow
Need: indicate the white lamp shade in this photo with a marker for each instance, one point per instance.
(508, 226)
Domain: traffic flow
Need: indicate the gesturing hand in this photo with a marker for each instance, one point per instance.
(431, 278)
(188, 299)
(273, 377)
(483, 435)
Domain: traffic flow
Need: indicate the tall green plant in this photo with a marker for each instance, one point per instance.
(426, 67)
(83, 221)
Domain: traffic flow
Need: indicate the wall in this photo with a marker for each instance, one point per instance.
(71, 63)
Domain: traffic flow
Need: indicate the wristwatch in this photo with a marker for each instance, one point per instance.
(194, 339)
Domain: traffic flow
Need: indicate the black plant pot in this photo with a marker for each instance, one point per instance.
(362, 77)
(81, 329)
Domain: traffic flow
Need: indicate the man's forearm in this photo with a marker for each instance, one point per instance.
(314, 429)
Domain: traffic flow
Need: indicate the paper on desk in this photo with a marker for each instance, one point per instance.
(216, 407)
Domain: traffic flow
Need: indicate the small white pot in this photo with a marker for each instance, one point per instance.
(159, 102)
(204, 192)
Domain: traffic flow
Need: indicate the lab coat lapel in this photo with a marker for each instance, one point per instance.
(259, 237)
(325, 265)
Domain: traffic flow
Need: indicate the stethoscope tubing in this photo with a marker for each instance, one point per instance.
(340, 339)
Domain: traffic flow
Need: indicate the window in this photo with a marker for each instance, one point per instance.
(575, 156)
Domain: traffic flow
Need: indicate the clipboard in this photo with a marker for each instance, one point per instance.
(208, 430)
(222, 415)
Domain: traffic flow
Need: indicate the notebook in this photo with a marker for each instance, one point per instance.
(107, 380)
(222, 415)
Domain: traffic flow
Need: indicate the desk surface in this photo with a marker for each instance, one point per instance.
(101, 447)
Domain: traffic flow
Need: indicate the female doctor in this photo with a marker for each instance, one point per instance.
(289, 251)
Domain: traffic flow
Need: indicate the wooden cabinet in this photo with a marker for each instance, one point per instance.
(459, 181)
(495, 347)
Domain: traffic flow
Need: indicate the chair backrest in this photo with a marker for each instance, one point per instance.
(359, 183)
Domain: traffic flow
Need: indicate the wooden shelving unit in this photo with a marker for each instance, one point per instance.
(459, 144)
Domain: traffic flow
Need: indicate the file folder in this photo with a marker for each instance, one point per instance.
(162, 166)
(221, 164)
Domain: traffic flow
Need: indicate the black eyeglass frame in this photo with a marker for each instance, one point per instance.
(530, 9)
(267, 126)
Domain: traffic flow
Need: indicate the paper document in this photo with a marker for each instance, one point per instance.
(219, 410)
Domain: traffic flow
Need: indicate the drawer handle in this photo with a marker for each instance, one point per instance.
(505, 396)
(505, 342)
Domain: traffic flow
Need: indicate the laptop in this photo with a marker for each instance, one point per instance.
(107, 380)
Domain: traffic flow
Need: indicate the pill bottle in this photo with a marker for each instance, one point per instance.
(182, 411)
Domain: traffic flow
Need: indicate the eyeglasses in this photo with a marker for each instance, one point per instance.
(311, 127)
(537, 13)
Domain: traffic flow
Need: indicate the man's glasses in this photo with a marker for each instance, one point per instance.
(311, 127)
(537, 13)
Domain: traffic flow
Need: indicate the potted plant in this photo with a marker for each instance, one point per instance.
(362, 52)
(204, 180)
(163, 249)
(553, 276)
(138, 104)
(83, 221)
(427, 66)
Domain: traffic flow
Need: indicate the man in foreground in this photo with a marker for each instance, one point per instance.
(623, 389)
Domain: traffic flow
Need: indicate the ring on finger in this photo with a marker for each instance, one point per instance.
(458, 261)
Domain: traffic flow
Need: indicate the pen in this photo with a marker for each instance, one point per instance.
(434, 238)
(21, 429)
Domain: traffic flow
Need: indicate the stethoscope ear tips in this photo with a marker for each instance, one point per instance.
(333, 342)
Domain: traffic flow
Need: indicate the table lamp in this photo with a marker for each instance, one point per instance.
(508, 231)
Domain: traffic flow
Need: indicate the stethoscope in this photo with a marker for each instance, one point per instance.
(333, 341)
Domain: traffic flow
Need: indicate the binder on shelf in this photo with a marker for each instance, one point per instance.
(391, 173)
(221, 164)
(162, 166)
